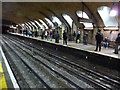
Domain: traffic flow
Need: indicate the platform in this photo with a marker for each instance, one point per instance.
(81, 46)
(3, 84)
(7, 78)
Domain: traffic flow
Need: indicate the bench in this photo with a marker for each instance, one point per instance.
(112, 44)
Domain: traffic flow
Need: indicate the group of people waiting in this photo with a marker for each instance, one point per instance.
(77, 37)
(105, 42)
(52, 34)
(99, 40)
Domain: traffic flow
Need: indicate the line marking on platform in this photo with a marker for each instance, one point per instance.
(2, 78)
(14, 82)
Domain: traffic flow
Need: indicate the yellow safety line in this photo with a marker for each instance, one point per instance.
(3, 85)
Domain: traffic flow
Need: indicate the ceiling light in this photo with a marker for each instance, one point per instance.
(113, 13)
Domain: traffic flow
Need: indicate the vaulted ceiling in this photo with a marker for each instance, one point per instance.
(21, 12)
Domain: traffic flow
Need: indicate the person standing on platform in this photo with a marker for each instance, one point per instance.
(51, 34)
(117, 42)
(65, 37)
(36, 33)
(85, 39)
(99, 39)
(78, 37)
(32, 33)
(57, 37)
(48, 35)
(45, 34)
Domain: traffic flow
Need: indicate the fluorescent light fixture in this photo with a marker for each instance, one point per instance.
(22, 24)
(25, 26)
(88, 28)
(38, 24)
(43, 23)
(34, 24)
(111, 28)
(28, 26)
(113, 13)
(87, 25)
(31, 25)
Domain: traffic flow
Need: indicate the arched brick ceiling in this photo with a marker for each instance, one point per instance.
(18, 11)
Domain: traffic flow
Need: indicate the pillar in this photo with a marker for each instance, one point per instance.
(82, 34)
(95, 30)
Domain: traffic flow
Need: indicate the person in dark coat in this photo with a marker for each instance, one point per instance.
(117, 42)
(78, 37)
(85, 39)
(36, 33)
(65, 37)
(99, 39)
(57, 37)
(43, 34)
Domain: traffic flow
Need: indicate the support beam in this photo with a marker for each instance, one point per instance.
(91, 13)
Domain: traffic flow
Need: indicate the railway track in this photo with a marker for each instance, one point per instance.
(94, 79)
(73, 85)
(23, 71)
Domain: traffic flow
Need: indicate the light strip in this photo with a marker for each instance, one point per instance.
(34, 24)
(21, 26)
(28, 26)
(31, 25)
(112, 28)
(43, 23)
(38, 24)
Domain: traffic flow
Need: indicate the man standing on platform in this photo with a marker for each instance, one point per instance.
(57, 36)
(117, 42)
(99, 39)
(65, 37)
